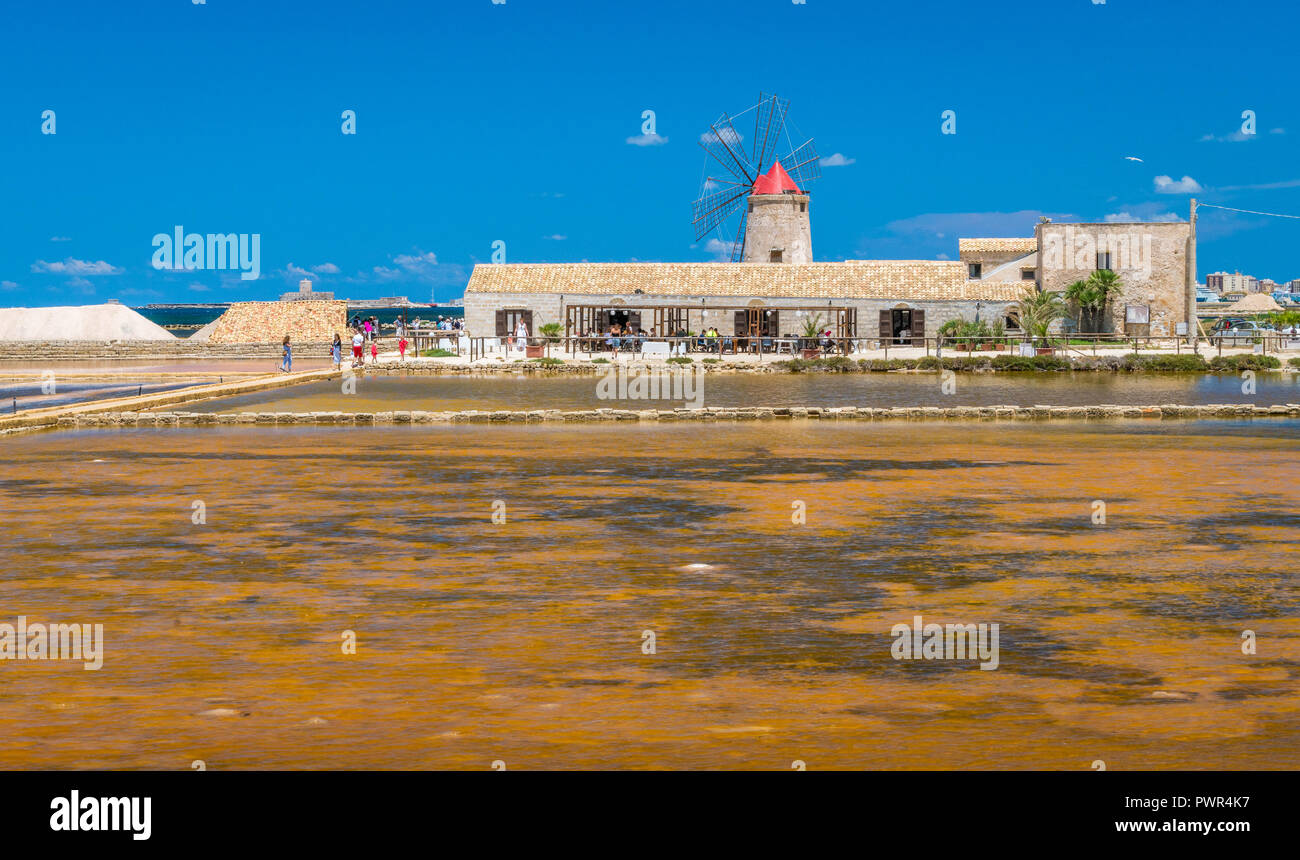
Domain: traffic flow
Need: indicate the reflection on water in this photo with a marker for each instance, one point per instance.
(522, 640)
(439, 393)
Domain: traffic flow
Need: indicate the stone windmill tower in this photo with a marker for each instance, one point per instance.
(758, 203)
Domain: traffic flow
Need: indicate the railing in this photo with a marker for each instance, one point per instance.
(790, 346)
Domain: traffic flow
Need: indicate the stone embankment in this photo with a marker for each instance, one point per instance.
(75, 350)
(847, 413)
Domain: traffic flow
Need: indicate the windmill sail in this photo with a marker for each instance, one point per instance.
(767, 163)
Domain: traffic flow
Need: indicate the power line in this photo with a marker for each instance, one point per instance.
(1246, 211)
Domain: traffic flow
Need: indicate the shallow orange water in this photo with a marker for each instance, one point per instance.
(522, 641)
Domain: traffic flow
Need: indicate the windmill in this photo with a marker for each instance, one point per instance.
(772, 161)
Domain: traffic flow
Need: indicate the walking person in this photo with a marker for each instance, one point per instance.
(286, 364)
(336, 351)
(358, 344)
(401, 347)
(374, 351)
(521, 334)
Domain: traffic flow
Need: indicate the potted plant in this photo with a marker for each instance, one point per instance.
(999, 332)
(535, 347)
(1039, 310)
(812, 329)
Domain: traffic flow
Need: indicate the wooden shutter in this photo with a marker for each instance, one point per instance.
(501, 324)
(742, 323)
(773, 324)
(918, 323)
(886, 325)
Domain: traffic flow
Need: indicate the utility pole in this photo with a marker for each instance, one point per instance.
(1193, 323)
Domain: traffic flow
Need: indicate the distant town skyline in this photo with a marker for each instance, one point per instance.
(384, 152)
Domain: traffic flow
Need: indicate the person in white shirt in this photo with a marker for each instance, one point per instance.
(358, 349)
(521, 334)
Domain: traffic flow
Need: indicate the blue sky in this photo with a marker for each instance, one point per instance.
(479, 122)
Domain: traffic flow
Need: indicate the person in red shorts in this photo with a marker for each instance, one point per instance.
(358, 343)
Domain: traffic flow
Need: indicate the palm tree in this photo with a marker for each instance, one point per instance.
(1039, 309)
(1082, 297)
(1108, 285)
(1089, 299)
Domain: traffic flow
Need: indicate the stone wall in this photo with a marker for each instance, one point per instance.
(778, 222)
(1150, 259)
(480, 310)
(74, 350)
(269, 322)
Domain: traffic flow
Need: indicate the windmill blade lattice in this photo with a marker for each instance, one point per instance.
(734, 165)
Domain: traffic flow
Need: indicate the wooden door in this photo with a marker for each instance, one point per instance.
(501, 324)
(886, 326)
(918, 323)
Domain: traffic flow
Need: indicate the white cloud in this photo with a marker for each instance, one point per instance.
(72, 266)
(1277, 131)
(647, 140)
(8, 285)
(60, 238)
(198, 288)
(1236, 137)
(1127, 216)
(727, 135)
(421, 267)
(326, 269)
(837, 160)
(1265, 186)
(720, 250)
(942, 256)
(1186, 185)
(556, 237)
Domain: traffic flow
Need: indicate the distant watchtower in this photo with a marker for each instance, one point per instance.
(778, 228)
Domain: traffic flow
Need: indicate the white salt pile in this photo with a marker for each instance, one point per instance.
(87, 322)
(204, 334)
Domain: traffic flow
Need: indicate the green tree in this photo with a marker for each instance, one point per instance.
(1039, 309)
(1089, 299)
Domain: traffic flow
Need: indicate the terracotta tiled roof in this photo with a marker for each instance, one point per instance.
(914, 280)
(997, 246)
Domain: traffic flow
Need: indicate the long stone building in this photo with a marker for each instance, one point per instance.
(778, 289)
(892, 299)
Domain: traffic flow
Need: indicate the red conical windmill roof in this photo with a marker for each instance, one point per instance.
(776, 181)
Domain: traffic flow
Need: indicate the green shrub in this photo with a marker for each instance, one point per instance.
(880, 365)
(600, 361)
(833, 364)
(437, 353)
(549, 362)
(1165, 363)
(681, 359)
(711, 360)
(1294, 362)
(1020, 363)
(1238, 363)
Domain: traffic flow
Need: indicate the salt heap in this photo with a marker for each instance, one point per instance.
(104, 322)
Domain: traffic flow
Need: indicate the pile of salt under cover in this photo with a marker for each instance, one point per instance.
(104, 322)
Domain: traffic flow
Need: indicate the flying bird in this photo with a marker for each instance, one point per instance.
(1133, 158)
